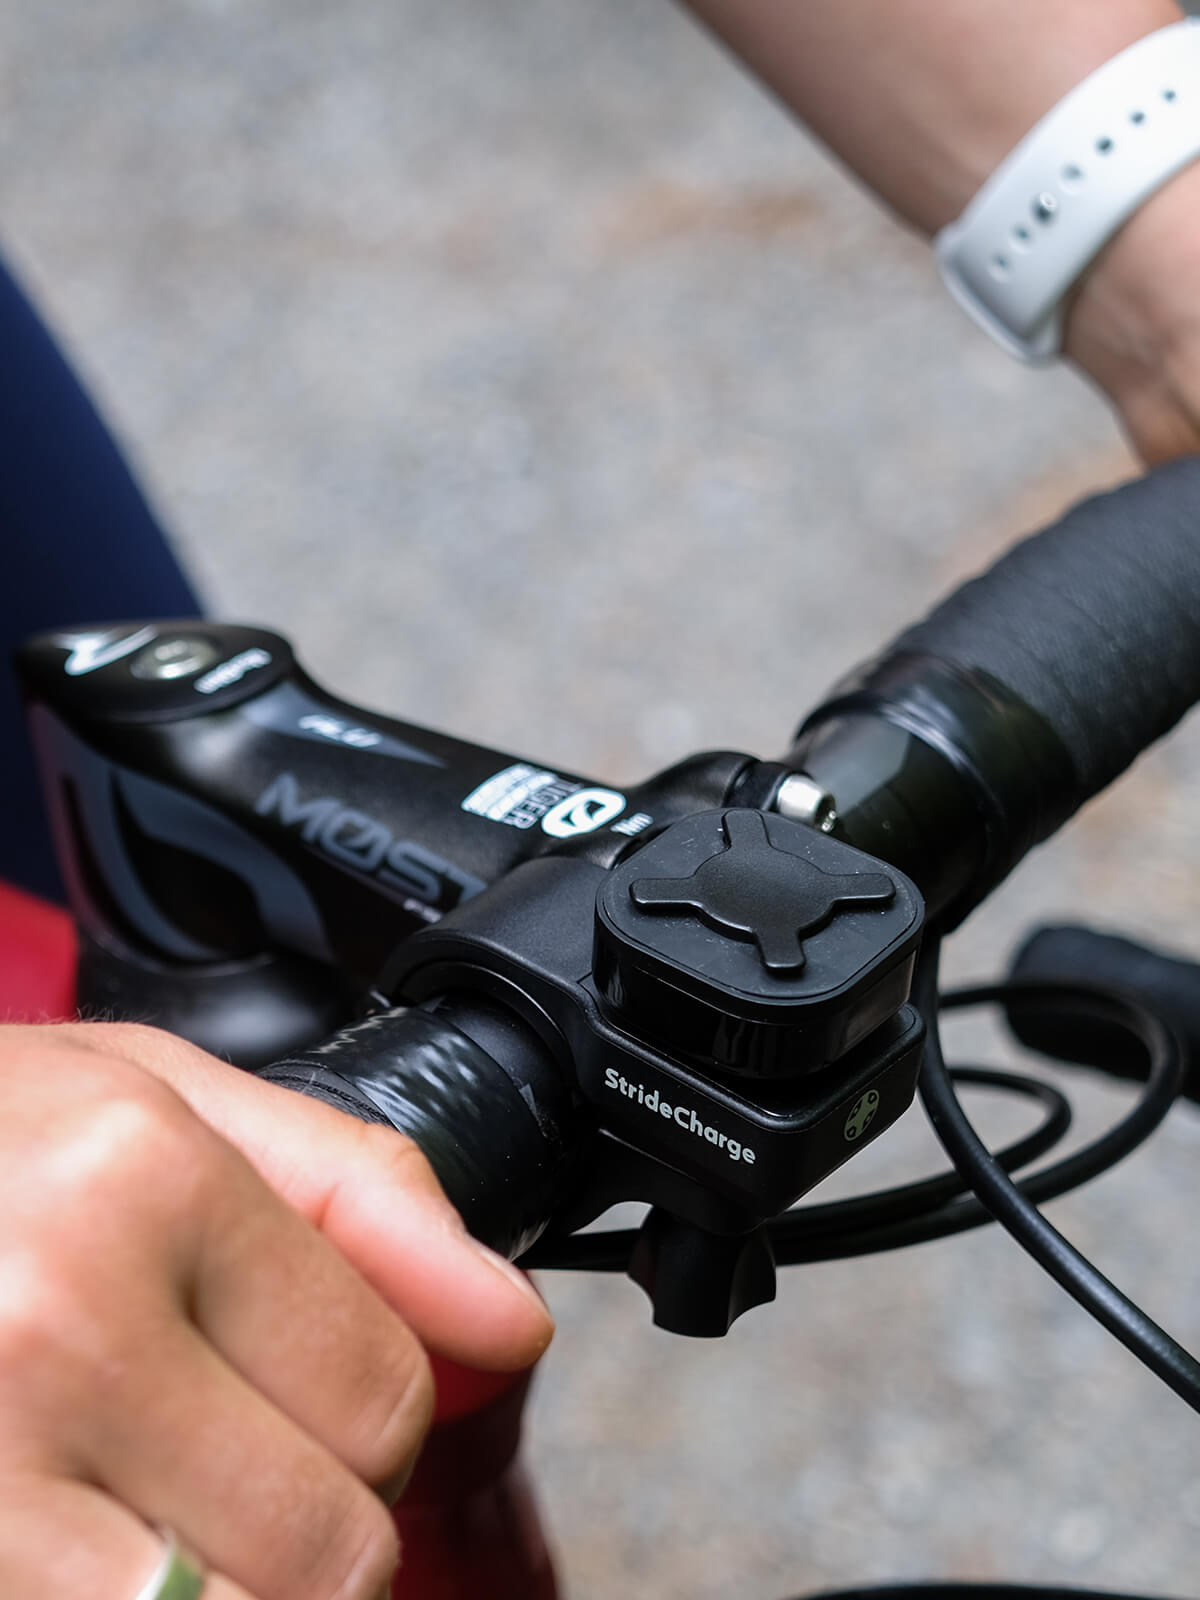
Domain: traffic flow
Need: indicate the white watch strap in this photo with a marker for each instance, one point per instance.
(1053, 203)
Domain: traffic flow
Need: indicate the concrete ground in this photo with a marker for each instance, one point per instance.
(544, 383)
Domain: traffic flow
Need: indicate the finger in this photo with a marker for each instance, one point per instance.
(369, 1190)
(64, 1538)
(185, 1442)
(301, 1325)
(487, 1316)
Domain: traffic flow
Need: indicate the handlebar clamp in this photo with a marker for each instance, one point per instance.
(729, 1005)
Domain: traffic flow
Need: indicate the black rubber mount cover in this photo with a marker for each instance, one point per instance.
(754, 943)
(1092, 623)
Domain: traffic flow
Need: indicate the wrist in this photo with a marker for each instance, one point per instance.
(1031, 231)
(924, 98)
(1133, 323)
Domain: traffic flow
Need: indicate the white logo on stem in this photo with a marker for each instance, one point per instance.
(92, 650)
(582, 812)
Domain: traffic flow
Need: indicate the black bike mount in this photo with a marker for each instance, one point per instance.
(729, 1004)
(673, 994)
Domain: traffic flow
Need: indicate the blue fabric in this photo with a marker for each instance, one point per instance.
(78, 544)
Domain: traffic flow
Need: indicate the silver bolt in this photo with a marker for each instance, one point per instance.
(176, 657)
(805, 801)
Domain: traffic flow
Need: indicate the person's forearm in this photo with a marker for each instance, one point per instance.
(923, 98)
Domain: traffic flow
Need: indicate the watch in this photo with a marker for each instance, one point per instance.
(1052, 204)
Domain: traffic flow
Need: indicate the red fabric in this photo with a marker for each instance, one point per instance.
(461, 1390)
(37, 959)
(468, 1523)
(483, 1545)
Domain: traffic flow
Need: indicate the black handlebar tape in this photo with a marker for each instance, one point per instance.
(983, 728)
(488, 1107)
(1167, 985)
(1093, 623)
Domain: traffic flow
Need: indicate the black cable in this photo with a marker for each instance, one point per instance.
(1017, 1214)
(932, 1207)
(890, 1220)
(792, 1242)
(608, 1251)
(884, 1206)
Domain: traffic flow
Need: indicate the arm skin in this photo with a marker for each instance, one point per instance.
(924, 98)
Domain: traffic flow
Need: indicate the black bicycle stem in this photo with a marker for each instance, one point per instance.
(692, 993)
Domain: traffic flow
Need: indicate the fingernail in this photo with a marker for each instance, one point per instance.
(392, 1488)
(512, 1273)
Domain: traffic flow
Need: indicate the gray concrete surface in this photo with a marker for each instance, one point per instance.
(544, 383)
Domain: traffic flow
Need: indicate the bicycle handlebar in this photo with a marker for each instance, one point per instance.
(467, 1083)
(1092, 623)
(729, 1068)
(981, 729)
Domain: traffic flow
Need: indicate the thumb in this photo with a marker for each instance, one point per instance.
(368, 1189)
